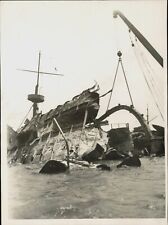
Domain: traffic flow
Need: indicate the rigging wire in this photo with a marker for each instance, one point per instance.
(145, 60)
(150, 89)
(150, 71)
(117, 44)
(25, 117)
(157, 92)
(147, 82)
(113, 86)
(157, 97)
(127, 83)
(144, 75)
(153, 119)
(119, 61)
(147, 65)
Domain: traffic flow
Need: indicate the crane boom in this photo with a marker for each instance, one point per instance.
(140, 37)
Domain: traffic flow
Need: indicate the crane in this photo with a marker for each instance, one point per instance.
(140, 37)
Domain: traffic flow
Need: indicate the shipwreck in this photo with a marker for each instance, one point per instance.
(40, 134)
(41, 139)
(70, 116)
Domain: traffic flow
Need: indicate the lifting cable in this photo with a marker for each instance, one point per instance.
(111, 90)
(101, 96)
(155, 90)
(144, 75)
(156, 103)
(119, 61)
(113, 86)
(150, 71)
(116, 39)
(145, 61)
(127, 83)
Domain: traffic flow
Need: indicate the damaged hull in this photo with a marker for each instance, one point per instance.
(39, 138)
(70, 116)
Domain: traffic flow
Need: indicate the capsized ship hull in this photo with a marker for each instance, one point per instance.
(70, 115)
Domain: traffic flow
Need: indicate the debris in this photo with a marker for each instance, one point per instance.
(70, 113)
(81, 163)
(120, 139)
(11, 139)
(133, 161)
(103, 167)
(94, 154)
(53, 167)
(113, 154)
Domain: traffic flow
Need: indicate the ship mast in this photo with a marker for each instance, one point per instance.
(36, 98)
(35, 106)
(147, 115)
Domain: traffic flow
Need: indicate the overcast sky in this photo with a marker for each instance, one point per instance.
(81, 40)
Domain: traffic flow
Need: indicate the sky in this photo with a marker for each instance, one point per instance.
(81, 39)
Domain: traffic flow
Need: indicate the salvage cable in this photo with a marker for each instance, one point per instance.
(103, 95)
(146, 65)
(113, 86)
(150, 89)
(111, 90)
(144, 75)
(120, 61)
(155, 100)
(126, 82)
(150, 71)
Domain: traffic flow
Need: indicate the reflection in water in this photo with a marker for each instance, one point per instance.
(88, 193)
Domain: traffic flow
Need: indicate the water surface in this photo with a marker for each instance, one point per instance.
(88, 193)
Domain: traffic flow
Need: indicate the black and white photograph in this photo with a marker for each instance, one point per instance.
(84, 112)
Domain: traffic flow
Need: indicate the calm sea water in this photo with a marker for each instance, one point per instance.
(88, 193)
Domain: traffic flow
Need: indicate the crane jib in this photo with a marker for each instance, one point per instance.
(141, 38)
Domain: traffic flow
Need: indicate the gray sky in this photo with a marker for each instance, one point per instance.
(81, 40)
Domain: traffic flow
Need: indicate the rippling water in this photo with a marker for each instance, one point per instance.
(88, 193)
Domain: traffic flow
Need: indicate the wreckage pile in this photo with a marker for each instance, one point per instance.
(80, 142)
(40, 140)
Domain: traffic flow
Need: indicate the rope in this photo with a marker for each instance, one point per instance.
(111, 90)
(155, 91)
(147, 65)
(127, 83)
(144, 75)
(101, 96)
(113, 85)
(145, 62)
(153, 119)
(25, 117)
(119, 61)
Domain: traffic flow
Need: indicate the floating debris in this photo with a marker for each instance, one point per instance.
(93, 154)
(113, 154)
(103, 167)
(133, 161)
(53, 167)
